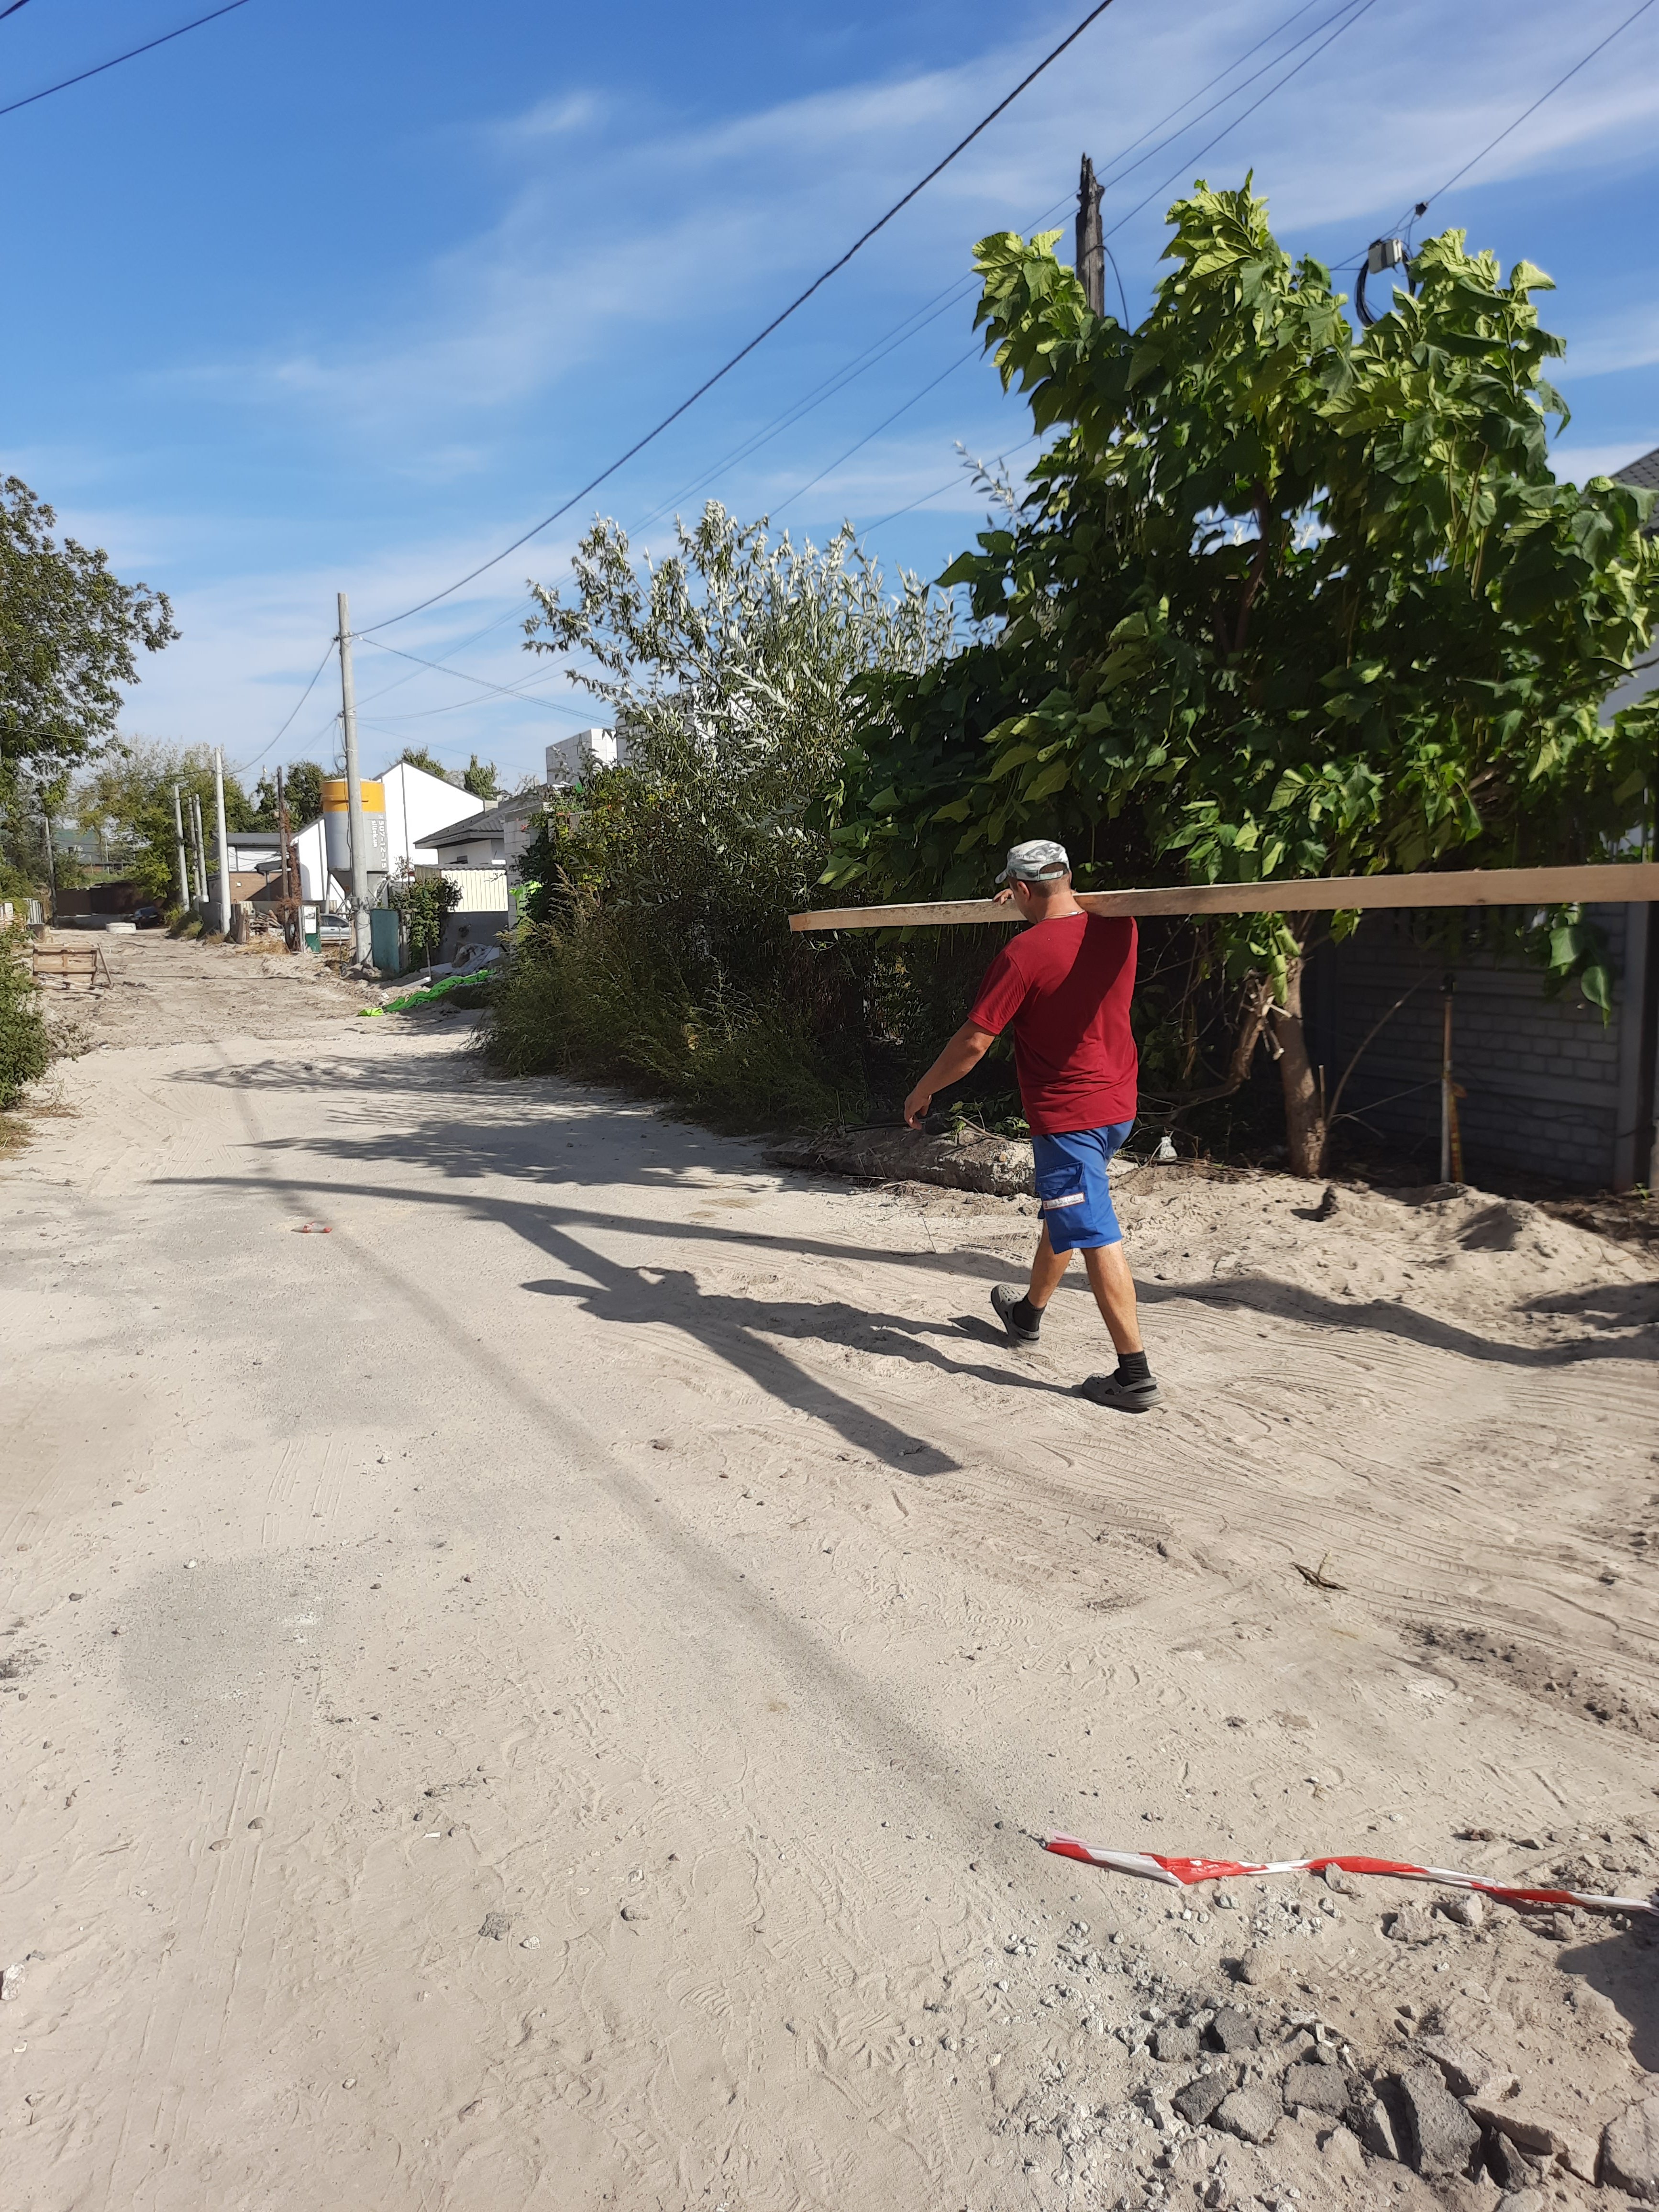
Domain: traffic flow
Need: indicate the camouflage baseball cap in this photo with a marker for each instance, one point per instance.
(1035, 862)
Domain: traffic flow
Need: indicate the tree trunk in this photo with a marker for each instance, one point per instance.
(1305, 1125)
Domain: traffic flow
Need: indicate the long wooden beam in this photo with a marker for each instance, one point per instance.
(1610, 882)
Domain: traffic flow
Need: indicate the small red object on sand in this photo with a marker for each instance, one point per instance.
(1153, 1866)
(314, 1229)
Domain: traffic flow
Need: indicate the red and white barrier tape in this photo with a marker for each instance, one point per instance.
(1152, 1866)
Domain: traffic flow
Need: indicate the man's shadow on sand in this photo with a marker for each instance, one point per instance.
(1624, 1966)
(743, 1330)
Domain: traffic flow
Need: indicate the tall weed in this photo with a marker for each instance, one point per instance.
(25, 1044)
(599, 997)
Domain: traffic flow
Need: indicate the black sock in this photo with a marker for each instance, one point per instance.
(1026, 1314)
(1133, 1367)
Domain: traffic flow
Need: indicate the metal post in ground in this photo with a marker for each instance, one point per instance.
(362, 951)
(183, 865)
(219, 824)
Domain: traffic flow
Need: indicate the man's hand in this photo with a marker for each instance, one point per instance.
(965, 1050)
(1005, 896)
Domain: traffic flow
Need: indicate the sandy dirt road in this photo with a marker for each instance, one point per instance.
(543, 1695)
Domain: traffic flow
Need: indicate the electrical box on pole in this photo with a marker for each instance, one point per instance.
(362, 954)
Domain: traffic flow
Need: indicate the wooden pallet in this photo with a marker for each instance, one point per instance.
(72, 966)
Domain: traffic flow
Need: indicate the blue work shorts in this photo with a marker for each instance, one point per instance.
(1072, 1189)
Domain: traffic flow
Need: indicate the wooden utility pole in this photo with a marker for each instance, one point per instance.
(1091, 239)
(218, 826)
(293, 911)
(362, 948)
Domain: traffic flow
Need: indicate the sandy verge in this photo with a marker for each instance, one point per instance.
(541, 1695)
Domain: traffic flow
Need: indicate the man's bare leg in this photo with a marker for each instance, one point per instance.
(1109, 1279)
(1114, 1287)
(1047, 1265)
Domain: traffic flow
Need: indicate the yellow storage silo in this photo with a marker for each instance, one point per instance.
(337, 830)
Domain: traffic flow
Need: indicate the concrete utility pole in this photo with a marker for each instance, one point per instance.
(224, 861)
(183, 865)
(200, 849)
(1091, 240)
(362, 946)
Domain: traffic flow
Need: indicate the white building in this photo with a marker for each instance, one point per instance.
(416, 804)
(567, 757)
(480, 852)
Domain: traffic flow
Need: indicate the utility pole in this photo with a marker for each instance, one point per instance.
(183, 865)
(200, 849)
(294, 913)
(1091, 239)
(51, 858)
(362, 951)
(224, 863)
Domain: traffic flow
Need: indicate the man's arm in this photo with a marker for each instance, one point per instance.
(964, 1052)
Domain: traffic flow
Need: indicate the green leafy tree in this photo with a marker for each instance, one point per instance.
(660, 956)
(725, 668)
(127, 797)
(1283, 602)
(69, 634)
(479, 778)
(418, 757)
(303, 785)
(302, 792)
(424, 902)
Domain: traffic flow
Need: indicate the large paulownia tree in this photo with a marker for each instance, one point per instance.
(1284, 600)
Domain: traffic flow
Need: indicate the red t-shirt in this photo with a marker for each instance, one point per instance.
(1065, 986)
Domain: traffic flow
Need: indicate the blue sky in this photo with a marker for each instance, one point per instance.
(348, 296)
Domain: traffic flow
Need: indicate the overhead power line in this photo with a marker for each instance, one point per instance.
(1419, 208)
(328, 655)
(1458, 175)
(446, 668)
(761, 335)
(1115, 171)
(1353, 16)
(115, 62)
(1349, 10)
(961, 361)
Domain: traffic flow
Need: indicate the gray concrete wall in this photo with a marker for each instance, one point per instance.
(472, 926)
(1552, 1090)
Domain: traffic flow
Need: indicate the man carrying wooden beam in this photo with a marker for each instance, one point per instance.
(1065, 984)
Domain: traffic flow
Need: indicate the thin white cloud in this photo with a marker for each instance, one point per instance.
(622, 234)
(1576, 464)
(535, 300)
(1626, 341)
(556, 118)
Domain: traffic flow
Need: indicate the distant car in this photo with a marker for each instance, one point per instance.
(333, 929)
(147, 917)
